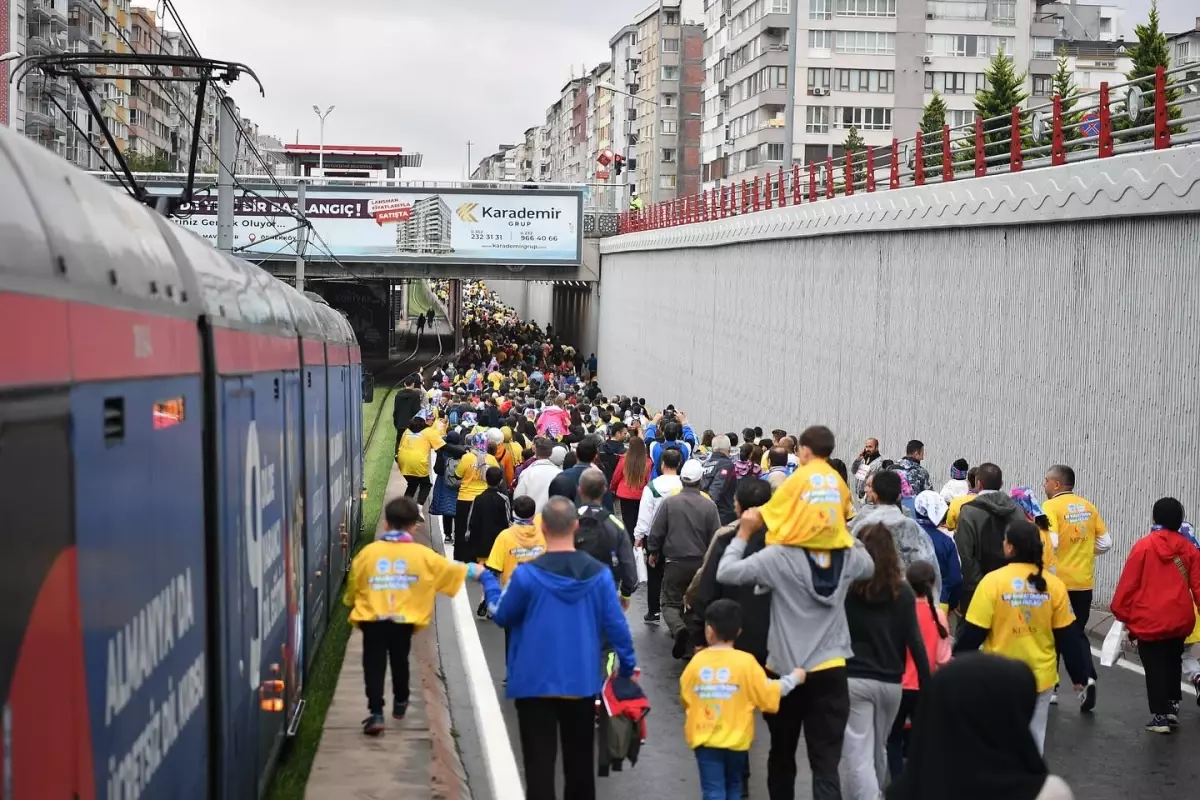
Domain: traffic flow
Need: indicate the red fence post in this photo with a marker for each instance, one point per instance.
(870, 169)
(849, 174)
(919, 159)
(1105, 144)
(796, 190)
(1015, 160)
(724, 201)
(947, 156)
(756, 205)
(769, 201)
(1162, 130)
(745, 197)
(980, 153)
(812, 182)
(894, 171)
(829, 177)
(1058, 153)
(782, 194)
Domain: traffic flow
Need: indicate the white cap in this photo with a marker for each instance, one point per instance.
(558, 455)
(692, 472)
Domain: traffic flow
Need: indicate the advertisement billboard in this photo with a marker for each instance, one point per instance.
(405, 225)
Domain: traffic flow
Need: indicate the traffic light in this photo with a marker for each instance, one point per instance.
(618, 163)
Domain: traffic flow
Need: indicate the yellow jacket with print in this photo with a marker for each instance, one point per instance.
(397, 581)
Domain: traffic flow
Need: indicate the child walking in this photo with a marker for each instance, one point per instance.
(720, 690)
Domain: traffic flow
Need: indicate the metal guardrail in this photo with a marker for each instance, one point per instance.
(1126, 118)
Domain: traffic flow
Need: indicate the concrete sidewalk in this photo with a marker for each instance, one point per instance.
(417, 757)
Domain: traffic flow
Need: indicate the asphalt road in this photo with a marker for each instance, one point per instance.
(1103, 756)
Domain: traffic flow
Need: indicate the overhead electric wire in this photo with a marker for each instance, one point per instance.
(324, 245)
(71, 119)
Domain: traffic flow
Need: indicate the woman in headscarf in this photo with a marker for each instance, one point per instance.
(472, 471)
(445, 496)
(1025, 498)
(972, 740)
(931, 512)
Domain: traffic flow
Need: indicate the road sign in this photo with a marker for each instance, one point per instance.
(1090, 125)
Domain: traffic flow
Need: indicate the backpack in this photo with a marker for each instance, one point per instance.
(608, 461)
(595, 538)
(664, 447)
(450, 473)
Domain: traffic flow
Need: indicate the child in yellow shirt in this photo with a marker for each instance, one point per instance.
(522, 541)
(720, 689)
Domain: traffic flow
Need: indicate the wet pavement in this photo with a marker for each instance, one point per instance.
(1103, 756)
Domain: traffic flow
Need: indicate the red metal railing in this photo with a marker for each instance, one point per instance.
(1122, 118)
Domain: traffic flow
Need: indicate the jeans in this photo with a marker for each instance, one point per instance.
(1041, 714)
(543, 722)
(384, 642)
(819, 708)
(1162, 660)
(721, 772)
(863, 766)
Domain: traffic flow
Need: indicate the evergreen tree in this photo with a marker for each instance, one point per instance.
(856, 150)
(1006, 88)
(1063, 85)
(933, 119)
(147, 163)
(1150, 52)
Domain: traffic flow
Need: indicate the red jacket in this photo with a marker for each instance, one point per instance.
(1153, 598)
(624, 490)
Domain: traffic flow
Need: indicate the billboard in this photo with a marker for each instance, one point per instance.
(406, 224)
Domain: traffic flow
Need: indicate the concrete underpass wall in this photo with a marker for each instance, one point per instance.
(1075, 341)
(532, 300)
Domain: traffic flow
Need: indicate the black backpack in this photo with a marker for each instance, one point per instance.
(608, 461)
(595, 538)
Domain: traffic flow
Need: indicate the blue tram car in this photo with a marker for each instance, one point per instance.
(180, 467)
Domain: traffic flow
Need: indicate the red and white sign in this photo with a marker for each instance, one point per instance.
(605, 157)
(602, 174)
(389, 210)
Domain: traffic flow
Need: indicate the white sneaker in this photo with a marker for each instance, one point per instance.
(1054, 696)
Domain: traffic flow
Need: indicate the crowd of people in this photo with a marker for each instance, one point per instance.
(842, 602)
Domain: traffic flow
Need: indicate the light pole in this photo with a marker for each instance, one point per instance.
(321, 145)
(653, 161)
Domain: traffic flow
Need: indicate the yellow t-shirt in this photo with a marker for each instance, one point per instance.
(397, 582)
(1020, 620)
(955, 507)
(495, 379)
(513, 546)
(414, 450)
(1078, 525)
(720, 688)
(810, 509)
(474, 479)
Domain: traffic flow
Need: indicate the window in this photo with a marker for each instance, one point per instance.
(1106, 26)
(670, 100)
(955, 82)
(820, 40)
(866, 8)
(670, 45)
(1004, 12)
(865, 119)
(668, 155)
(670, 73)
(1043, 47)
(864, 80)
(670, 126)
(866, 42)
(780, 7)
(968, 46)
(819, 9)
(956, 9)
(1041, 86)
(818, 77)
(1181, 53)
(816, 119)
(957, 119)
(666, 181)
(771, 151)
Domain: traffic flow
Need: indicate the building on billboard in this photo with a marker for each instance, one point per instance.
(427, 229)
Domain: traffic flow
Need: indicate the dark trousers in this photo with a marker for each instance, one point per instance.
(384, 642)
(1081, 604)
(897, 743)
(462, 547)
(417, 487)
(629, 515)
(676, 577)
(1162, 660)
(543, 722)
(654, 582)
(448, 525)
(819, 708)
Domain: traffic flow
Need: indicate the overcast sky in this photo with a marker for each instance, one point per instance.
(428, 76)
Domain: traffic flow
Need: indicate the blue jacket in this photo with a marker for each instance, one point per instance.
(558, 609)
(948, 563)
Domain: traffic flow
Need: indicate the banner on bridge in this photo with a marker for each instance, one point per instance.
(406, 225)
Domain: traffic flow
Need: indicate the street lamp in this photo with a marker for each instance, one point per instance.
(11, 55)
(321, 145)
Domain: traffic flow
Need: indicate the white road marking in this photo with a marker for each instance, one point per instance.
(1129, 665)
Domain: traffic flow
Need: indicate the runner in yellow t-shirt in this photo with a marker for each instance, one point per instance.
(1022, 612)
(521, 542)
(412, 456)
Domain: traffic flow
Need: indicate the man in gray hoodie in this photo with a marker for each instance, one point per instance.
(808, 629)
(981, 527)
(913, 544)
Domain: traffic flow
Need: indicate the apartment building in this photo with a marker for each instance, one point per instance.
(499, 166)
(1185, 50)
(427, 230)
(626, 59)
(670, 90)
(183, 114)
(149, 108)
(113, 95)
(46, 99)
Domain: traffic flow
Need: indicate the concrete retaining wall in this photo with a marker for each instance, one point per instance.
(900, 315)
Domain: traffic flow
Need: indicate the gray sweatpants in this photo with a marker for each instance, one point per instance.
(873, 707)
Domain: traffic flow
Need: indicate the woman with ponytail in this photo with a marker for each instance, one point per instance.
(1022, 611)
(936, 634)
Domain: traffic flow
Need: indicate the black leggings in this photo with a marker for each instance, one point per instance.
(629, 514)
(418, 487)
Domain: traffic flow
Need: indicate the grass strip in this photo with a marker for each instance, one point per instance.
(291, 774)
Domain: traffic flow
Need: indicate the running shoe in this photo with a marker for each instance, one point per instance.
(399, 709)
(1087, 698)
(1196, 686)
(374, 725)
(681, 640)
(1054, 696)
(1159, 724)
(652, 617)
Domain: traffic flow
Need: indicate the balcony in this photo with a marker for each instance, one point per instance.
(37, 83)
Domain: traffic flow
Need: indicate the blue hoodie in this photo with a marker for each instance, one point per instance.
(557, 609)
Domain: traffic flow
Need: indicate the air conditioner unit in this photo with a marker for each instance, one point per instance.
(926, 59)
(820, 91)
(929, 15)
